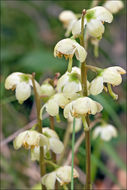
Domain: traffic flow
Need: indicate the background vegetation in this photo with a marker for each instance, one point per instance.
(29, 31)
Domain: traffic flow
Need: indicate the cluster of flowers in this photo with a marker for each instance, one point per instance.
(68, 92)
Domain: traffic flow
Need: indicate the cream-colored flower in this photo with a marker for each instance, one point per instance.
(67, 17)
(114, 6)
(106, 132)
(81, 107)
(62, 175)
(111, 75)
(21, 83)
(68, 48)
(69, 83)
(93, 22)
(47, 89)
(53, 104)
(30, 139)
(54, 144)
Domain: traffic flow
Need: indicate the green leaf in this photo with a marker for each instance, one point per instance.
(113, 155)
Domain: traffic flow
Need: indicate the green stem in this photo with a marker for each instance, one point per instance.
(114, 96)
(72, 165)
(37, 100)
(85, 93)
(51, 118)
(70, 65)
(51, 163)
(93, 68)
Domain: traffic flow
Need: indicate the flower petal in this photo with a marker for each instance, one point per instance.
(96, 86)
(113, 6)
(12, 80)
(49, 180)
(95, 28)
(56, 145)
(23, 91)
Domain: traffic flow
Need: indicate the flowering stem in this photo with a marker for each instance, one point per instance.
(52, 127)
(37, 100)
(72, 165)
(93, 68)
(70, 65)
(85, 93)
(114, 96)
(51, 163)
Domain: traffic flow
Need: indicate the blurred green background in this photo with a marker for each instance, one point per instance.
(29, 32)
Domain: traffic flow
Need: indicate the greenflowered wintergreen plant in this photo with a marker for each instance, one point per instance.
(71, 93)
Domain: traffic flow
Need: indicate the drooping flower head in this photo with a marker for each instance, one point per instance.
(111, 75)
(54, 144)
(82, 106)
(62, 175)
(94, 19)
(67, 17)
(114, 6)
(106, 132)
(30, 139)
(53, 104)
(68, 48)
(22, 84)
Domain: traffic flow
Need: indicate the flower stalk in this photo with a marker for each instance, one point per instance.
(39, 123)
(72, 165)
(85, 93)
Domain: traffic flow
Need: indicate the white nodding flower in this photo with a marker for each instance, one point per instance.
(106, 132)
(30, 139)
(62, 175)
(68, 48)
(114, 6)
(22, 84)
(81, 107)
(93, 22)
(111, 75)
(67, 17)
(47, 89)
(54, 144)
(53, 104)
(69, 84)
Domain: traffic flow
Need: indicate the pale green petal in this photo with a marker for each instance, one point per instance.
(56, 145)
(114, 6)
(95, 28)
(49, 180)
(96, 86)
(23, 91)
(12, 80)
(50, 133)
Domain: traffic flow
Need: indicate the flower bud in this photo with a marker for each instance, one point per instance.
(47, 89)
(114, 6)
(106, 132)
